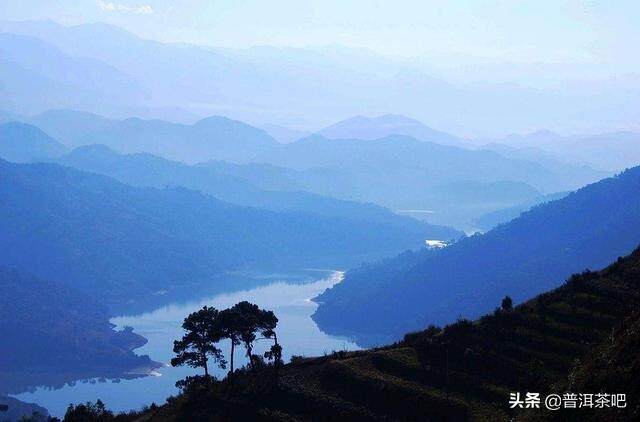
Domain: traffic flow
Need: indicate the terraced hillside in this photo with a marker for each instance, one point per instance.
(464, 371)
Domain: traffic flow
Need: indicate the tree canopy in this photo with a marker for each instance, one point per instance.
(197, 346)
(240, 324)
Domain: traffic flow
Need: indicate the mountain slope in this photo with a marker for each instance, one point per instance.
(56, 334)
(613, 366)
(17, 409)
(30, 66)
(211, 138)
(370, 128)
(21, 143)
(464, 371)
(7, 116)
(492, 219)
(283, 134)
(68, 126)
(88, 74)
(216, 180)
(403, 173)
(524, 257)
(316, 85)
(126, 243)
(399, 155)
(613, 151)
(214, 137)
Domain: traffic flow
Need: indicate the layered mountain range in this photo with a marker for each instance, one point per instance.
(521, 258)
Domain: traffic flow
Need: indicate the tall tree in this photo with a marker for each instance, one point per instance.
(241, 324)
(507, 303)
(230, 328)
(197, 345)
(268, 322)
(88, 411)
(247, 324)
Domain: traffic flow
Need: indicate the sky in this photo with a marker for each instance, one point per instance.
(543, 31)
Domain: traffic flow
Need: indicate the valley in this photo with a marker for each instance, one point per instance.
(319, 211)
(287, 295)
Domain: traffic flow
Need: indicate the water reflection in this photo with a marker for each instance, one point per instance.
(297, 332)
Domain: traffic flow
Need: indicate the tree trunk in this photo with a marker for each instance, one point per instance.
(279, 356)
(206, 368)
(249, 355)
(231, 358)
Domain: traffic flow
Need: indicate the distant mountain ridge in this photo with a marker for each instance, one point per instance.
(211, 138)
(283, 134)
(214, 137)
(125, 244)
(522, 258)
(398, 153)
(492, 219)
(22, 143)
(447, 185)
(314, 85)
(612, 151)
(403, 173)
(232, 186)
(432, 177)
(29, 65)
(69, 126)
(370, 128)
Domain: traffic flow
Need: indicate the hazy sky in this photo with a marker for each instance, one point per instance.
(510, 30)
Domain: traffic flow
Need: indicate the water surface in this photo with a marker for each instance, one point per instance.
(297, 333)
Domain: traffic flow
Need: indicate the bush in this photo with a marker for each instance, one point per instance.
(88, 412)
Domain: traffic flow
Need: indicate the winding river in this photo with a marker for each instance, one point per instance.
(297, 333)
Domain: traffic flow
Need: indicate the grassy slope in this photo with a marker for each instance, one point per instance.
(464, 371)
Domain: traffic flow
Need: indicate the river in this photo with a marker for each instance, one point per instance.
(297, 333)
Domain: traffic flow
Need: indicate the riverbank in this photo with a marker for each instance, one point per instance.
(290, 299)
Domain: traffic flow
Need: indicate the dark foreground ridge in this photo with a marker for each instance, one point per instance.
(582, 337)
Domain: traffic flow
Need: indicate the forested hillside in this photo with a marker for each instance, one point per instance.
(522, 258)
(52, 333)
(127, 243)
(238, 184)
(577, 338)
